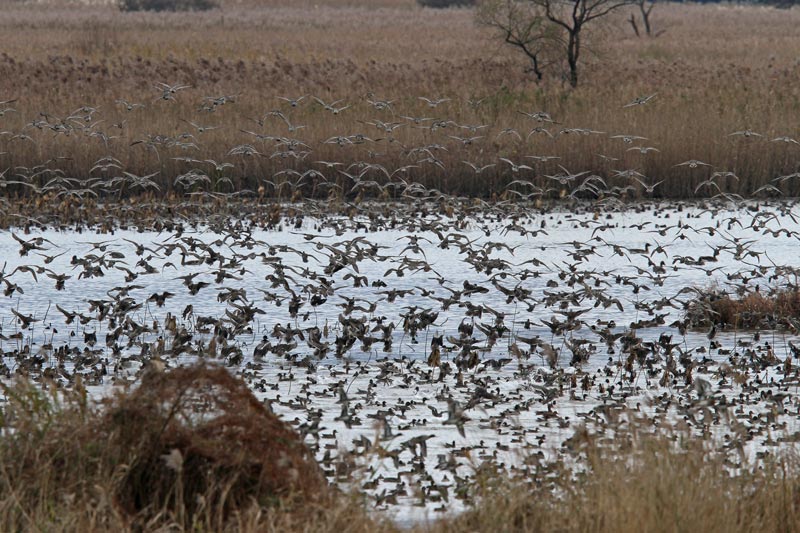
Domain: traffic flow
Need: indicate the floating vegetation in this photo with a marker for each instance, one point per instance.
(749, 310)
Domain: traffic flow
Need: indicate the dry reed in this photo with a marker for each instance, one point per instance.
(709, 85)
(778, 308)
(643, 480)
(185, 450)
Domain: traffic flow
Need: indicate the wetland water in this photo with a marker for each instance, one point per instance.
(439, 342)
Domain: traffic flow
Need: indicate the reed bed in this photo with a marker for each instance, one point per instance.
(708, 84)
(638, 480)
(779, 308)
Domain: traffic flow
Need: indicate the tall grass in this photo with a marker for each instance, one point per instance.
(186, 450)
(709, 85)
(641, 480)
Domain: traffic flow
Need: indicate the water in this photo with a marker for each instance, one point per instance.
(520, 404)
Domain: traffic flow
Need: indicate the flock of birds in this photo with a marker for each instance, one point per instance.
(411, 346)
(414, 339)
(287, 165)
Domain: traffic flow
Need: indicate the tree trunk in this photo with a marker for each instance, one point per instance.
(535, 67)
(646, 18)
(573, 51)
(632, 20)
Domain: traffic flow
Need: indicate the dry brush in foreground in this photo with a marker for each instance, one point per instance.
(643, 479)
(193, 449)
(188, 449)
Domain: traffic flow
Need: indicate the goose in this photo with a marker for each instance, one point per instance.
(433, 102)
(642, 100)
(293, 102)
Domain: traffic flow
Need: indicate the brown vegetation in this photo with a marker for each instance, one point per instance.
(58, 59)
(190, 448)
(778, 308)
(641, 481)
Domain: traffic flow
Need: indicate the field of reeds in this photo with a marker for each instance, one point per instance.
(715, 70)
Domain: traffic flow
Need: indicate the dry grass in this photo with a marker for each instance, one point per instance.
(778, 308)
(187, 449)
(191, 449)
(643, 481)
(716, 69)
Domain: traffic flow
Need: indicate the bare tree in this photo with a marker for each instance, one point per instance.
(523, 25)
(645, 7)
(572, 17)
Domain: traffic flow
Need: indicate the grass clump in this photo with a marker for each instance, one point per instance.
(191, 448)
(779, 308)
(641, 480)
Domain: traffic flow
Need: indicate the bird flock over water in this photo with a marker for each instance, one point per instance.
(409, 334)
(410, 345)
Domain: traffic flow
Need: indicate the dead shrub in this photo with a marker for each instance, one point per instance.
(190, 446)
(230, 449)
